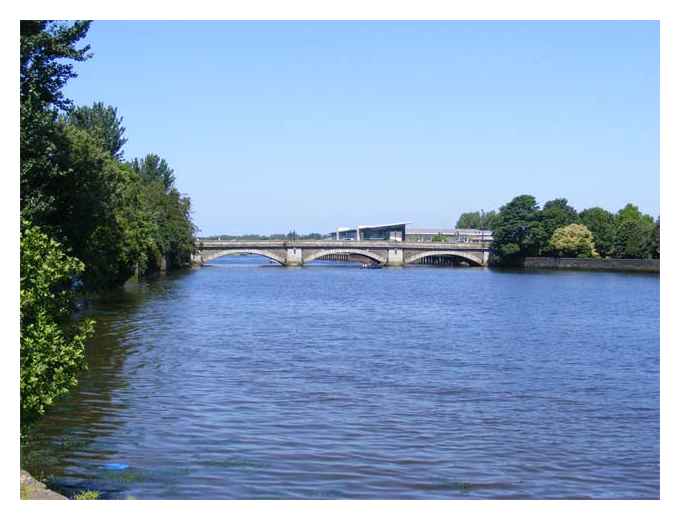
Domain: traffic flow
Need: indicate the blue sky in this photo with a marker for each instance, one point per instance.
(272, 126)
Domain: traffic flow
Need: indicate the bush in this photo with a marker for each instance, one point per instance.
(52, 343)
(574, 240)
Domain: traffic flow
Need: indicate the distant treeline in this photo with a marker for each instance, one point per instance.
(521, 228)
(89, 218)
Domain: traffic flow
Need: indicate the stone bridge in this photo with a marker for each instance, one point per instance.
(299, 252)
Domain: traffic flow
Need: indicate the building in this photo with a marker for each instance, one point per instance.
(399, 233)
(449, 235)
(385, 232)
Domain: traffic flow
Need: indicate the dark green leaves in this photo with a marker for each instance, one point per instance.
(103, 123)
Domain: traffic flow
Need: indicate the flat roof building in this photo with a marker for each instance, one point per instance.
(448, 235)
(399, 232)
(396, 231)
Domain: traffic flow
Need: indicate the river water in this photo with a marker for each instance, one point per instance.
(248, 380)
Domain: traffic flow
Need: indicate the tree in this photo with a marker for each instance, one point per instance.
(470, 220)
(439, 238)
(653, 245)
(632, 233)
(103, 123)
(477, 220)
(43, 43)
(52, 344)
(555, 214)
(44, 46)
(518, 232)
(170, 213)
(154, 169)
(574, 240)
(601, 224)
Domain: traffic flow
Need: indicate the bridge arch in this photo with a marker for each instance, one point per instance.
(458, 254)
(259, 252)
(359, 252)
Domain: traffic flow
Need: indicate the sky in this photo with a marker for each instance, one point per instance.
(307, 126)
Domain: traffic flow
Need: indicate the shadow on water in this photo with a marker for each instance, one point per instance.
(75, 424)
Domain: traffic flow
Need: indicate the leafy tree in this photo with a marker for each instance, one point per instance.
(439, 238)
(154, 169)
(518, 232)
(170, 213)
(653, 245)
(43, 43)
(96, 215)
(574, 240)
(601, 223)
(477, 220)
(470, 220)
(555, 214)
(632, 233)
(103, 123)
(52, 344)
(44, 46)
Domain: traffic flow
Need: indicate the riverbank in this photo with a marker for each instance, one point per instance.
(32, 489)
(594, 264)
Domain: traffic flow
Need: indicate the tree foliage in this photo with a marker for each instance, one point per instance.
(477, 220)
(103, 123)
(633, 232)
(522, 230)
(44, 48)
(518, 232)
(555, 214)
(85, 213)
(601, 224)
(574, 240)
(154, 169)
(52, 344)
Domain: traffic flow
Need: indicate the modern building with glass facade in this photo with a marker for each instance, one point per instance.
(385, 232)
(399, 233)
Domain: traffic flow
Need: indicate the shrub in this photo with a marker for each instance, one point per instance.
(52, 343)
(574, 240)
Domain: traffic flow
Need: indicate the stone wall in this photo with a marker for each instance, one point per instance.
(594, 264)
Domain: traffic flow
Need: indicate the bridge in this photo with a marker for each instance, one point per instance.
(382, 252)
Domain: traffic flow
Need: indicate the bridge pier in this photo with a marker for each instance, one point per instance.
(395, 257)
(293, 257)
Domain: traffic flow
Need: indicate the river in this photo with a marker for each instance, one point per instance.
(248, 380)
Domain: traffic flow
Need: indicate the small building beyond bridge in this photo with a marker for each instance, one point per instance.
(382, 252)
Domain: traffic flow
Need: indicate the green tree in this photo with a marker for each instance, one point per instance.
(470, 220)
(44, 48)
(601, 223)
(555, 214)
(96, 216)
(154, 169)
(52, 344)
(102, 122)
(574, 240)
(632, 232)
(518, 232)
(477, 220)
(653, 245)
(170, 213)
(439, 238)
